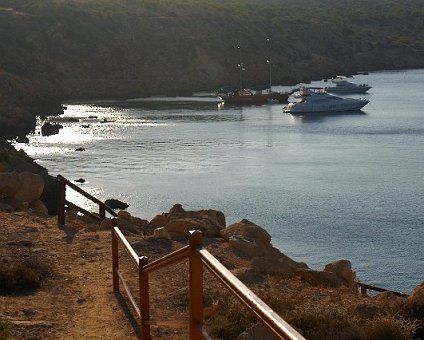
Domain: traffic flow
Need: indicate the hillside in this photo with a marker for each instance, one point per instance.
(130, 48)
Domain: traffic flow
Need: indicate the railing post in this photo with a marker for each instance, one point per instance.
(196, 286)
(143, 286)
(102, 212)
(61, 197)
(115, 261)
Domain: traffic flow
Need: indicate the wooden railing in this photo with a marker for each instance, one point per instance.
(364, 288)
(199, 258)
(63, 204)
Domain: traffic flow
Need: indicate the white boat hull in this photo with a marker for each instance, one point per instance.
(345, 105)
(346, 89)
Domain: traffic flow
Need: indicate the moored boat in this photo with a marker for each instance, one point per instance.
(320, 101)
(345, 86)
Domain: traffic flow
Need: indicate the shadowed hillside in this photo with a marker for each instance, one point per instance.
(126, 48)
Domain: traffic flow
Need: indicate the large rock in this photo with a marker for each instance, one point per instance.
(39, 208)
(269, 266)
(246, 230)
(179, 222)
(320, 278)
(32, 186)
(116, 204)
(9, 184)
(250, 240)
(49, 129)
(343, 269)
(161, 233)
(416, 301)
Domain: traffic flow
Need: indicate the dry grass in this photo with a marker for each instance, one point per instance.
(21, 276)
(225, 318)
(390, 328)
(5, 330)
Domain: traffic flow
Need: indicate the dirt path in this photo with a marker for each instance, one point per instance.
(76, 301)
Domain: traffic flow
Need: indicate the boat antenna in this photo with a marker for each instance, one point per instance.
(269, 62)
(241, 68)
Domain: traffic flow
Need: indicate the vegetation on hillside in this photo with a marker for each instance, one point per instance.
(129, 48)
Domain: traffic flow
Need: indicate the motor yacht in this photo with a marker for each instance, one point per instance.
(317, 100)
(345, 86)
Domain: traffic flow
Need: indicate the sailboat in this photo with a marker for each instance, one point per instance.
(243, 96)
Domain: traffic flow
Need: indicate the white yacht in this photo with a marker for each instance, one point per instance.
(314, 100)
(345, 86)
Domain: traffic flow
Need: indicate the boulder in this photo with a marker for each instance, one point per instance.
(126, 225)
(159, 220)
(179, 222)
(246, 230)
(139, 222)
(343, 269)
(49, 129)
(250, 240)
(39, 208)
(6, 207)
(184, 225)
(320, 278)
(161, 233)
(247, 248)
(32, 186)
(9, 184)
(124, 215)
(106, 224)
(116, 204)
(17, 204)
(415, 301)
(270, 266)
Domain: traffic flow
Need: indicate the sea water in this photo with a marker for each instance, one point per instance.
(326, 187)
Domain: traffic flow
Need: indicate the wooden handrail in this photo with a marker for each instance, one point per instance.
(62, 202)
(198, 257)
(364, 287)
(262, 311)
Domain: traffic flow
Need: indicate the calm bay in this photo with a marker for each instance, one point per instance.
(326, 187)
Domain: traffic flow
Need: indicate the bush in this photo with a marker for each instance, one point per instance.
(227, 318)
(4, 330)
(17, 277)
(390, 328)
(322, 321)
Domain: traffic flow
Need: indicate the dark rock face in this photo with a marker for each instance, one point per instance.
(49, 129)
(116, 204)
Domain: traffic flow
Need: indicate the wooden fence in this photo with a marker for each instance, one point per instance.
(63, 204)
(199, 258)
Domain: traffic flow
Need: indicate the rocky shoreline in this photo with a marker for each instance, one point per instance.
(28, 192)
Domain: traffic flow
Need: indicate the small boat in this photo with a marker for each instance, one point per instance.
(256, 95)
(345, 86)
(250, 97)
(243, 97)
(313, 100)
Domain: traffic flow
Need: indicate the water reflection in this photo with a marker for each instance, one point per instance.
(320, 116)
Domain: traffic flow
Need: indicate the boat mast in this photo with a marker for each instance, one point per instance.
(241, 68)
(269, 62)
